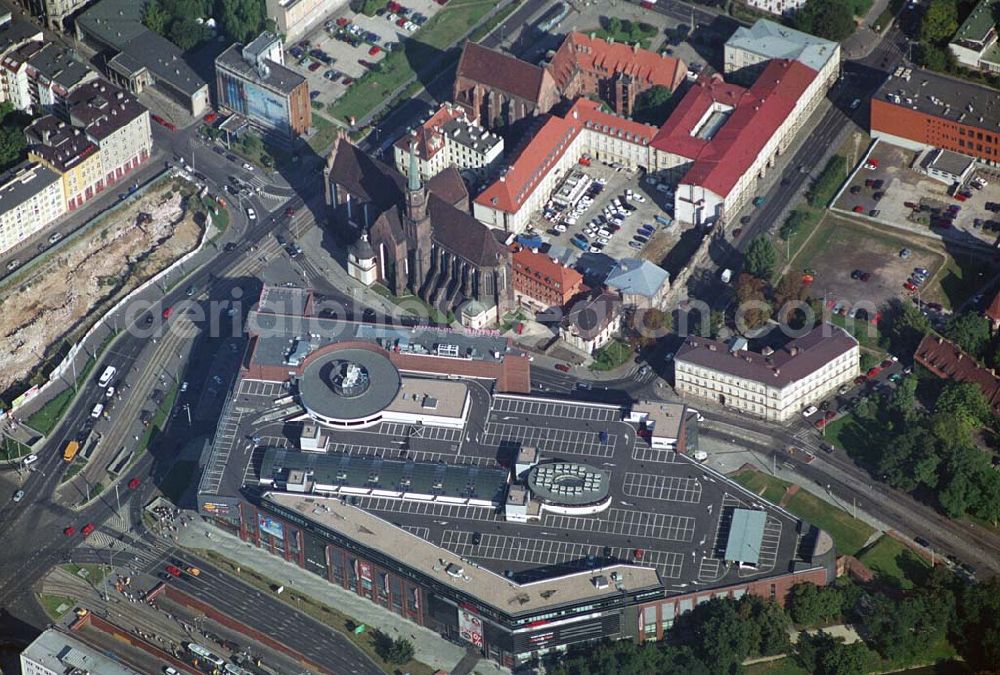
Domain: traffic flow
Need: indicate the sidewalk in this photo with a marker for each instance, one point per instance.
(429, 647)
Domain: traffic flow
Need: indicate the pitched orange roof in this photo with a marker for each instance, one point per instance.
(564, 280)
(510, 191)
(602, 59)
(946, 360)
(993, 311)
(428, 135)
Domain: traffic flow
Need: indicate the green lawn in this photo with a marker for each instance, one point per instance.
(12, 449)
(326, 131)
(425, 51)
(95, 573)
(788, 250)
(963, 275)
(894, 562)
(178, 479)
(848, 534)
(317, 610)
(616, 353)
(785, 666)
(52, 603)
(770, 488)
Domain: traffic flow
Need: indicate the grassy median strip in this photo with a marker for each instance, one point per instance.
(849, 534)
(340, 622)
(52, 603)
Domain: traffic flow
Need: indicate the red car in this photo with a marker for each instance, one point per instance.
(289, 212)
(873, 373)
(342, 22)
(393, 7)
(820, 423)
(830, 414)
(133, 484)
(347, 80)
(167, 312)
(910, 287)
(562, 367)
(87, 529)
(69, 531)
(314, 66)
(859, 209)
(172, 571)
(209, 118)
(400, 22)
(374, 51)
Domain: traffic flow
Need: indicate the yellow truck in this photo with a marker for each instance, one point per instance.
(70, 452)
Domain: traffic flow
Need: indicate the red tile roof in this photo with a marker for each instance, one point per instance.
(500, 71)
(993, 311)
(602, 59)
(562, 280)
(946, 360)
(547, 146)
(428, 135)
(756, 114)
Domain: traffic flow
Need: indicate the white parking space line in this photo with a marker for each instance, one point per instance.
(422, 532)
(629, 523)
(568, 441)
(666, 488)
(457, 511)
(644, 454)
(574, 411)
(538, 551)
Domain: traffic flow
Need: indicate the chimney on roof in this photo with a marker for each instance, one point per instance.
(777, 371)
(793, 350)
(766, 351)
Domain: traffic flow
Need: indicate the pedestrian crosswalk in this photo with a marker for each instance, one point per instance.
(140, 554)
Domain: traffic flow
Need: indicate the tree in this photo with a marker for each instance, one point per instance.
(940, 21)
(910, 460)
(810, 604)
(753, 310)
(830, 19)
(155, 18)
(970, 331)
(868, 361)
(187, 34)
(790, 288)
(891, 627)
(647, 325)
(904, 400)
(904, 325)
(760, 257)
(978, 626)
(651, 105)
(824, 654)
(965, 402)
(793, 223)
(241, 20)
(396, 651)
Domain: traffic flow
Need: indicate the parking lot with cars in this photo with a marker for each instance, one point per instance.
(343, 48)
(606, 212)
(883, 187)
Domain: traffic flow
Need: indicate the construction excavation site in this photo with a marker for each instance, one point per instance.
(59, 298)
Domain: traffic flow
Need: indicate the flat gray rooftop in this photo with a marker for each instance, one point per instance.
(946, 97)
(320, 393)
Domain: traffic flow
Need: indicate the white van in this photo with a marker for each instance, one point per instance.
(96, 412)
(726, 275)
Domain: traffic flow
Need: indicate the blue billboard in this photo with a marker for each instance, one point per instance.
(268, 525)
(257, 103)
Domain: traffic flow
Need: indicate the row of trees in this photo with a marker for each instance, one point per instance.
(12, 142)
(178, 20)
(719, 635)
(830, 19)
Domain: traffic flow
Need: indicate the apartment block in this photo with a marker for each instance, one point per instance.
(775, 384)
(31, 197)
(69, 152)
(540, 282)
(449, 138)
(117, 123)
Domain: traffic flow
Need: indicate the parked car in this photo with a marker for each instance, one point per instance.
(563, 367)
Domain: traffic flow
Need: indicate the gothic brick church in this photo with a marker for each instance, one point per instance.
(414, 237)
